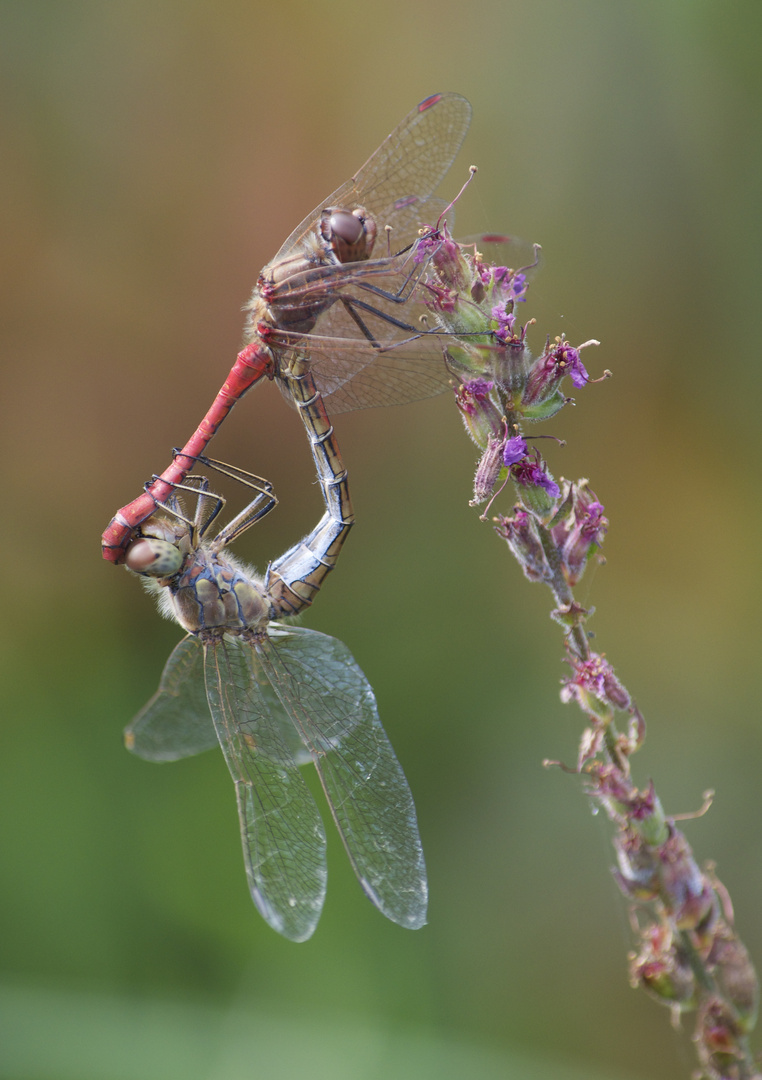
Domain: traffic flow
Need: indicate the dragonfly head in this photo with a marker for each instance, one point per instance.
(350, 235)
(153, 557)
(162, 547)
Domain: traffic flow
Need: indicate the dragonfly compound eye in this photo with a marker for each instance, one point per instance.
(349, 236)
(346, 226)
(157, 558)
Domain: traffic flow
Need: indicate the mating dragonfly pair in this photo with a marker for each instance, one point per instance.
(332, 321)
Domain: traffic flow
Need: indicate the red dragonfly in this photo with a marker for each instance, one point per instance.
(322, 299)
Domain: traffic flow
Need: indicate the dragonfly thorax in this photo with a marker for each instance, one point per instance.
(285, 298)
(294, 290)
(213, 592)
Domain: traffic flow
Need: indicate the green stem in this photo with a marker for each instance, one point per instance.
(561, 590)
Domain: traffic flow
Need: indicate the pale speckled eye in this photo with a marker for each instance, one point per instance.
(157, 558)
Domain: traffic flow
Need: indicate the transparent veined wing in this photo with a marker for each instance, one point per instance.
(501, 249)
(349, 374)
(397, 180)
(281, 829)
(333, 707)
(397, 367)
(176, 722)
(369, 347)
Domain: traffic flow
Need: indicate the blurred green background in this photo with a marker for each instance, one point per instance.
(155, 156)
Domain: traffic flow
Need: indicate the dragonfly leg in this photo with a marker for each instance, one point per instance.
(293, 580)
(406, 289)
(351, 309)
(264, 501)
(243, 476)
(209, 504)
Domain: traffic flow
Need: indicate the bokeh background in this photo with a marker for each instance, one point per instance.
(154, 157)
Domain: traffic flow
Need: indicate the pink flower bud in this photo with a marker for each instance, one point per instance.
(520, 533)
(663, 967)
(488, 470)
(480, 414)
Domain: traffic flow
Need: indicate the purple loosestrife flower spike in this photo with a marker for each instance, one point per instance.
(689, 955)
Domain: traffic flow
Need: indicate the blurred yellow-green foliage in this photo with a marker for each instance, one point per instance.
(154, 156)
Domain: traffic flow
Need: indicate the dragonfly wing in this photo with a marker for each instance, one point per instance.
(403, 172)
(176, 722)
(500, 249)
(333, 707)
(522, 259)
(356, 376)
(397, 367)
(410, 164)
(281, 830)
(395, 376)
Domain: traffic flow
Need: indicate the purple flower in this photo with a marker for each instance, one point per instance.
(593, 519)
(594, 677)
(426, 246)
(505, 320)
(512, 283)
(541, 479)
(548, 371)
(447, 254)
(530, 473)
(567, 361)
(450, 266)
(509, 285)
(472, 394)
(480, 414)
(514, 450)
(581, 532)
(442, 298)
